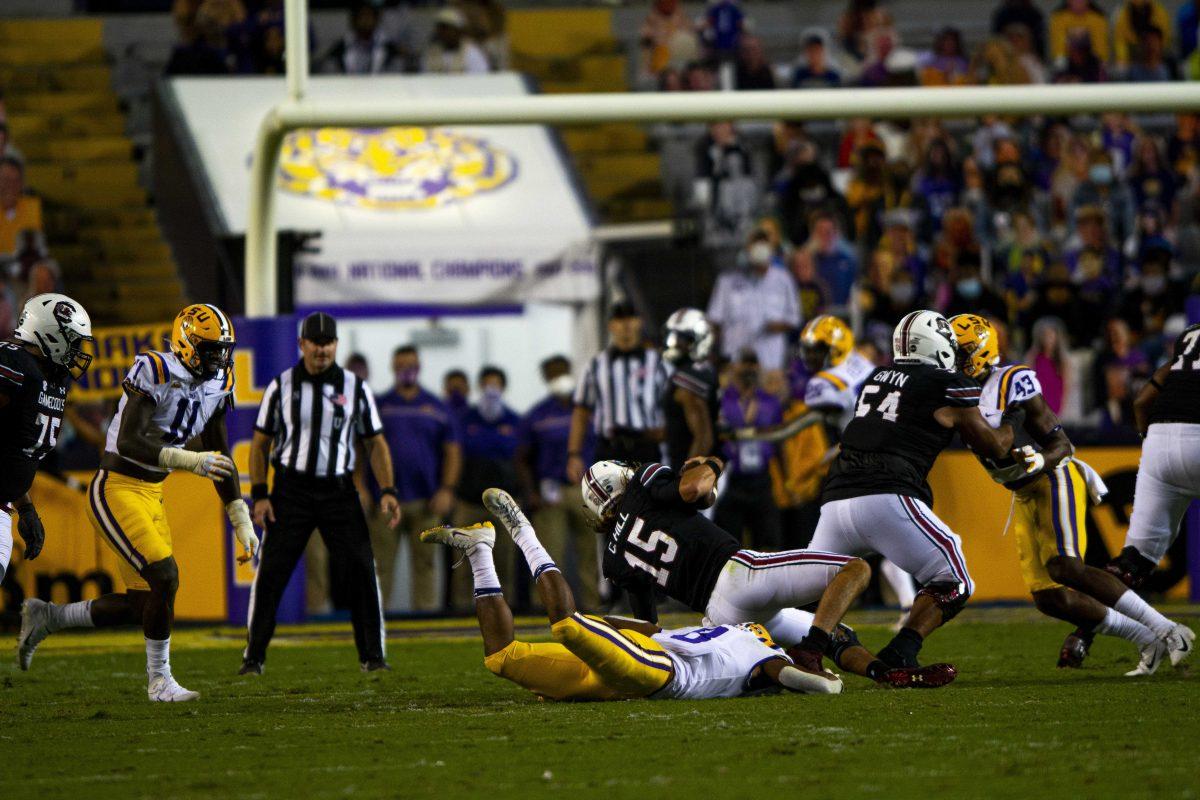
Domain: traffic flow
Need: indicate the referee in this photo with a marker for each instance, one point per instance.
(619, 397)
(304, 427)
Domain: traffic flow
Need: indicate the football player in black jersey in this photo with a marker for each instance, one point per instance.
(656, 540)
(37, 366)
(1167, 413)
(876, 498)
(689, 403)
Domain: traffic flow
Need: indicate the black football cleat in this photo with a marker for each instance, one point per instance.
(374, 665)
(251, 668)
(1131, 567)
(930, 676)
(1075, 648)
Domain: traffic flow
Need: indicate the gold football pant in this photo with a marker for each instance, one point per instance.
(589, 660)
(1050, 519)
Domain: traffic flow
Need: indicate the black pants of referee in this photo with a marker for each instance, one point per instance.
(302, 505)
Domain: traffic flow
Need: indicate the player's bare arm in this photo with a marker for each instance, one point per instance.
(260, 455)
(639, 625)
(698, 480)
(1044, 426)
(442, 502)
(699, 421)
(1146, 397)
(975, 432)
(581, 417)
(381, 467)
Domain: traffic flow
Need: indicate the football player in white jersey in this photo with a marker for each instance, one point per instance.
(1050, 496)
(170, 398)
(838, 373)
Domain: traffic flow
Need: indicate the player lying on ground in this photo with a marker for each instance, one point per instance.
(1050, 494)
(170, 397)
(714, 661)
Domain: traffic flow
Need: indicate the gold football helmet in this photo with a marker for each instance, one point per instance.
(825, 342)
(202, 339)
(978, 348)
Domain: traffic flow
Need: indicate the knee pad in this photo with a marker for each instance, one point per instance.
(949, 596)
(842, 639)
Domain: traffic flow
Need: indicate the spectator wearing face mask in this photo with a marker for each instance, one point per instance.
(747, 502)
(971, 295)
(424, 441)
(554, 501)
(489, 443)
(757, 307)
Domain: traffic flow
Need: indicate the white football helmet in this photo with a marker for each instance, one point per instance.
(603, 484)
(58, 326)
(688, 336)
(924, 337)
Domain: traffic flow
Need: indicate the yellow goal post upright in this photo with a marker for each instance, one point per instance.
(296, 111)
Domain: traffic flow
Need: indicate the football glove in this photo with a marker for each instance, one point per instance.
(29, 525)
(243, 530)
(212, 465)
(1033, 460)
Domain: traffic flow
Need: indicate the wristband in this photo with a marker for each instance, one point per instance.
(1155, 384)
(259, 491)
(391, 490)
(714, 465)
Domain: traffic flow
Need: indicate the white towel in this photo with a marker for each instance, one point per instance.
(1095, 484)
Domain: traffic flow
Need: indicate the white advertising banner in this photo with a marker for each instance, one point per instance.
(407, 215)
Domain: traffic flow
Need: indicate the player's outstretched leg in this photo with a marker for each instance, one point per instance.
(554, 592)
(39, 619)
(491, 610)
(1092, 617)
(158, 617)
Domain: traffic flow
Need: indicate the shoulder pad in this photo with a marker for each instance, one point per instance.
(837, 382)
(652, 472)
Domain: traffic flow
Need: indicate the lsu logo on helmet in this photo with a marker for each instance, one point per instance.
(202, 339)
(978, 348)
(829, 337)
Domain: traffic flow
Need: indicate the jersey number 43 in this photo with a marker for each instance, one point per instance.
(657, 551)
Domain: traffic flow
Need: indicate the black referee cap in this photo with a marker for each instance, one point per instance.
(319, 327)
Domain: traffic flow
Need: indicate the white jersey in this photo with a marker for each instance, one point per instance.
(1011, 383)
(838, 387)
(183, 404)
(712, 662)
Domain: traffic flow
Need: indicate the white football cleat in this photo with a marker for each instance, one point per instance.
(464, 539)
(34, 628)
(500, 503)
(165, 689)
(1180, 643)
(1152, 656)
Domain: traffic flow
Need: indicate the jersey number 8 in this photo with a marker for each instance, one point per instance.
(889, 408)
(659, 548)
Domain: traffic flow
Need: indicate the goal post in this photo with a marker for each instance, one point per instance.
(296, 112)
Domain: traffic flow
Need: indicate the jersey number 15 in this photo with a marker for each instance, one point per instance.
(658, 548)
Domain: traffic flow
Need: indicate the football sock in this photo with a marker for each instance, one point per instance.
(902, 650)
(1133, 606)
(483, 571)
(876, 669)
(70, 615)
(817, 640)
(158, 657)
(535, 554)
(1117, 624)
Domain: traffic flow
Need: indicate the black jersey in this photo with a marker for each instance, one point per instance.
(30, 420)
(1179, 400)
(661, 543)
(892, 441)
(700, 380)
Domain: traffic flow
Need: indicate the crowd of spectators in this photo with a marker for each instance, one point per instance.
(246, 37)
(1079, 236)
(26, 268)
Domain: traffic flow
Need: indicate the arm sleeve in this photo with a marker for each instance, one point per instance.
(369, 422)
(142, 376)
(1022, 385)
(267, 420)
(660, 482)
(960, 392)
(642, 600)
(12, 378)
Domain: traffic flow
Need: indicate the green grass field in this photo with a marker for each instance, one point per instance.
(79, 726)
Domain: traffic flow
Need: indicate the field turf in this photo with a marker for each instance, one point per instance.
(78, 725)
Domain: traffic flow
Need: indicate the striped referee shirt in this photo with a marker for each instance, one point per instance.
(622, 389)
(311, 418)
